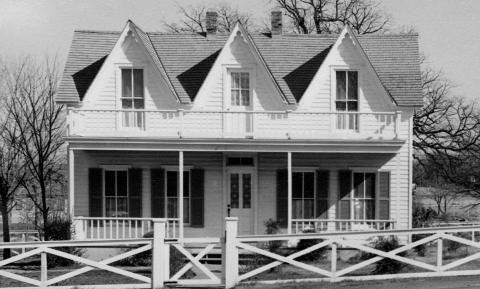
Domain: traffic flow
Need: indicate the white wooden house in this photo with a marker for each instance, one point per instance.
(314, 131)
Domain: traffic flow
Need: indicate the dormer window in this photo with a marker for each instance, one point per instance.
(133, 98)
(346, 101)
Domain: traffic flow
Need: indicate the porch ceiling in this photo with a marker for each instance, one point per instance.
(235, 145)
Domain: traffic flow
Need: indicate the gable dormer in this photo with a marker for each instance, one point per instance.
(246, 81)
(347, 81)
(131, 76)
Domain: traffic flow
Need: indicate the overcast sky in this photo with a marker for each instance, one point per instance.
(448, 29)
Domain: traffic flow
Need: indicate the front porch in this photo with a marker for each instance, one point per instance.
(196, 190)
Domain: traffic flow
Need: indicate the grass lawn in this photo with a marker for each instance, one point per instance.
(93, 277)
(463, 282)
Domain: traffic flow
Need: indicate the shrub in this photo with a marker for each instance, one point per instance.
(422, 217)
(386, 265)
(177, 259)
(421, 250)
(272, 227)
(307, 243)
(59, 228)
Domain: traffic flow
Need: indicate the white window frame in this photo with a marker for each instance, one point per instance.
(228, 69)
(104, 197)
(119, 106)
(333, 93)
(175, 169)
(377, 191)
(364, 198)
(307, 170)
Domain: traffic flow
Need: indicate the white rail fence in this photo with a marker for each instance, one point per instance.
(233, 247)
(338, 225)
(88, 228)
(234, 124)
(22, 236)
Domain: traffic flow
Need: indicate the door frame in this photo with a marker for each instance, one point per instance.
(226, 197)
(226, 100)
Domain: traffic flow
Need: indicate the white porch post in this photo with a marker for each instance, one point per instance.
(71, 186)
(289, 194)
(180, 194)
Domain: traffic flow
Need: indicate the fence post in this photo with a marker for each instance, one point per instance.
(230, 252)
(439, 254)
(333, 257)
(160, 262)
(43, 269)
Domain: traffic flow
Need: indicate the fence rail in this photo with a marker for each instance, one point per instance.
(234, 124)
(232, 245)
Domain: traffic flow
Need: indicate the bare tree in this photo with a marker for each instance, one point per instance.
(446, 129)
(12, 173)
(192, 19)
(35, 123)
(330, 16)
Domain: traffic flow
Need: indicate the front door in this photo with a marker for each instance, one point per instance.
(241, 189)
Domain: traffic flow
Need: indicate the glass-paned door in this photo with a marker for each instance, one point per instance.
(240, 192)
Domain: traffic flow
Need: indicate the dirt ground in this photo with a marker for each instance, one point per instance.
(462, 282)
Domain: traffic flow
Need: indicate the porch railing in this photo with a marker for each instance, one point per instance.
(95, 228)
(233, 124)
(338, 225)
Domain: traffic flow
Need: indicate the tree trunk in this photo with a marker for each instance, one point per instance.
(6, 229)
(44, 211)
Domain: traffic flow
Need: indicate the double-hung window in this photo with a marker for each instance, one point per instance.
(133, 100)
(364, 195)
(303, 195)
(116, 193)
(364, 187)
(240, 88)
(172, 185)
(346, 101)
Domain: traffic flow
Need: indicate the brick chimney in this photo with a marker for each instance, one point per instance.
(211, 19)
(277, 24)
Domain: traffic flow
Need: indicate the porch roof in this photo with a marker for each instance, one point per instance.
(235, 145)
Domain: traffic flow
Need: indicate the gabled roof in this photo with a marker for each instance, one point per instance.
(291, 59)
(147, 43)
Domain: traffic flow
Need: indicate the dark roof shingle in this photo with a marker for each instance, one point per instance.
(292, 59)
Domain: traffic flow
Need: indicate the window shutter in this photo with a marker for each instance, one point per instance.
(344, 189)
(323, 181)
(384, 196)
(197, 195)
(282, 197)
(135, 192)
(95, 192)
(157, 182)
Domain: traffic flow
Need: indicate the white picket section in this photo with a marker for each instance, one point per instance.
(338, 225)
(95, 228)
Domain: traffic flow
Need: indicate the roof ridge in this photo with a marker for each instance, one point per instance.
(96, 31)
(329, 35)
